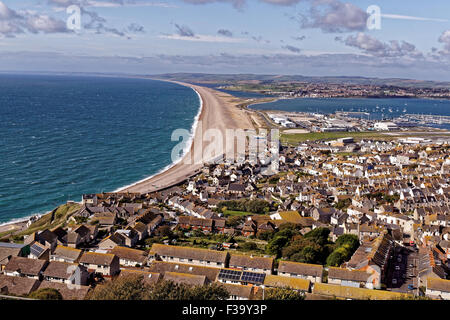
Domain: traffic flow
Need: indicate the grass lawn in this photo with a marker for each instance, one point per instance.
(60, 215)
(228, 213)
(6, 233)
(296, 138)
(313, 136)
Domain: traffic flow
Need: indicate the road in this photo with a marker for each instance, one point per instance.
(402, 271)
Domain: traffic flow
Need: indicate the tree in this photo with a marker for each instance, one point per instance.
(319, 235)
(311, 253)
(234, 221)
(165, 231)
(336, 258)
(249, 246)
(286, 294)
(210, 292)
(276, 245)
(133, 287)
(313, 247)
(265, 235)
(287, 230)
(351, 239)
(168, 290)
(341, 204)
(130, 287)
(345, 246)
(46, 294)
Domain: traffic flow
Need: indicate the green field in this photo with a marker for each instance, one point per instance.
(53, 219)
(228, 213)
(314, 136)
(295, 138)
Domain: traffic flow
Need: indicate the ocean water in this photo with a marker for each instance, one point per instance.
(64, 136)
(378, 108)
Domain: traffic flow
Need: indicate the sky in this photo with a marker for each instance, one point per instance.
(407, 39)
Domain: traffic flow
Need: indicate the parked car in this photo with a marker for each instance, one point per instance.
(394, 281)
(397, 268)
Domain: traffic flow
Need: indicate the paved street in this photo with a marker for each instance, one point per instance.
(403, 270)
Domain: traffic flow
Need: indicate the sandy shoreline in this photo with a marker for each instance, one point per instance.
(13, 226)
(218, 112)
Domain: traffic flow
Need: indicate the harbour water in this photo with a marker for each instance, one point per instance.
(376, 109)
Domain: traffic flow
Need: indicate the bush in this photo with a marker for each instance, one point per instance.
(275, 245)
(249, 246)
(265, 235)
(285, 294)
(234, 221)
(345, 245)
(313, 247)
(46, 294)
(133, 287)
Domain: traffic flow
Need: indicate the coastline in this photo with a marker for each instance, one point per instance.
(185, 150)
(18, 224)
(217, 112)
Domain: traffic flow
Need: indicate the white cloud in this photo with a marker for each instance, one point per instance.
(13, 23)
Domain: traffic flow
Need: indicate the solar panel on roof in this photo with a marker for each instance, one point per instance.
(36, 250)
(253, 277)
(233, 275)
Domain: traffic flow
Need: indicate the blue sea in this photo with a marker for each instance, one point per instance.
(383, 108)
(63, 136)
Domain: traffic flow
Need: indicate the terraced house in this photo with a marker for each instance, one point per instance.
(372, 257)
(312, 272)
(24, 267)
(438, 288)
(68, 273)
(163, 267)
(103, 263)
(251, 263)
(350, 278)
(201, 257)
(130, 257)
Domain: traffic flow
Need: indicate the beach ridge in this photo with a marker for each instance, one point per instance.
(217, 112)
